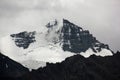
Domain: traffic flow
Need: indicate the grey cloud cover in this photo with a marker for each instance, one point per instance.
(101, 17)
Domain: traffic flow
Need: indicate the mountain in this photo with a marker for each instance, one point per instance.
(62, 51)
(10, 69)
(75, 67)
(58, 40)
(72, 37)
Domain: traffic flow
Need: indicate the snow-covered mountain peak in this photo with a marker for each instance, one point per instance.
(60, 39)
(65, 34)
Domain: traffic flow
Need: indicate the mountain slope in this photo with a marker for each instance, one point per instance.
(10, 68)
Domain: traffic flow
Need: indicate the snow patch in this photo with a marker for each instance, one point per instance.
(103, 52)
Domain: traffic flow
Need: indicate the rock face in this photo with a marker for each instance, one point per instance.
(73, 68)
(10, 68)
(77, 40)
(24, 39)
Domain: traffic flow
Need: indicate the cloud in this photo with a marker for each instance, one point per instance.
(29, 4)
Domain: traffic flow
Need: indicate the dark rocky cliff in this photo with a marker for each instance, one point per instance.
(23, 39)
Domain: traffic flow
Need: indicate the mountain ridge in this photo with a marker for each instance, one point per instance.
(75, 67)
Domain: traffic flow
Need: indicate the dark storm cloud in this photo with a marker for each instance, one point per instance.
(101, 17)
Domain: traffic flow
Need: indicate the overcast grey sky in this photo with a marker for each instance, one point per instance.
(100, 17)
